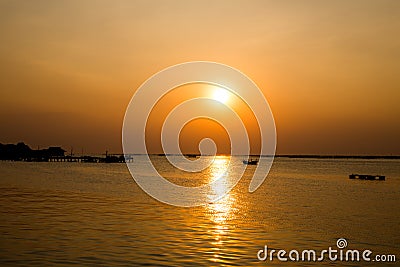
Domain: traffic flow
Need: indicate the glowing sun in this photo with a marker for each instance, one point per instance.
(221, 95)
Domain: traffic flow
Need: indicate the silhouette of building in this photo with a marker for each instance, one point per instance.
(22, 152)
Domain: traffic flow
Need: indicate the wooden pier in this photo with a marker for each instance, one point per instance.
(367, 177)
(92, 159)
(117, 158)
(22, 152)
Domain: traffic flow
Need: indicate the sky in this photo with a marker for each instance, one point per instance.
(329, 69)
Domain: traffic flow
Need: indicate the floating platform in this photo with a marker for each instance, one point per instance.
(367, 177)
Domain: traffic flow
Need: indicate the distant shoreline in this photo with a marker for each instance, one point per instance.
(301, 156)
(338, 156)
(22, 152)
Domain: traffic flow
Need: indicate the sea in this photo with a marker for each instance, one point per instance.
(94, 214)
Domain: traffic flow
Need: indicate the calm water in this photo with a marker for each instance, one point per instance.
(95, 214)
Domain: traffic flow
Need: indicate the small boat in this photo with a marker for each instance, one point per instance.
(250, 162)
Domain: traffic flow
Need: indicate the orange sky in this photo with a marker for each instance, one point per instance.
(328, 69)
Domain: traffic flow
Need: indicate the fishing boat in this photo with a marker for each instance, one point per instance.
(250, 162)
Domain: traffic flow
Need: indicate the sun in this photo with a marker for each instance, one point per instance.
(221, 95)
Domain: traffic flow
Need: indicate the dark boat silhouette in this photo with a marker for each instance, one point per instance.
(250, 162)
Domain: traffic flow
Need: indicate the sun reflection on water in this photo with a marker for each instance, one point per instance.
(222, 211)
